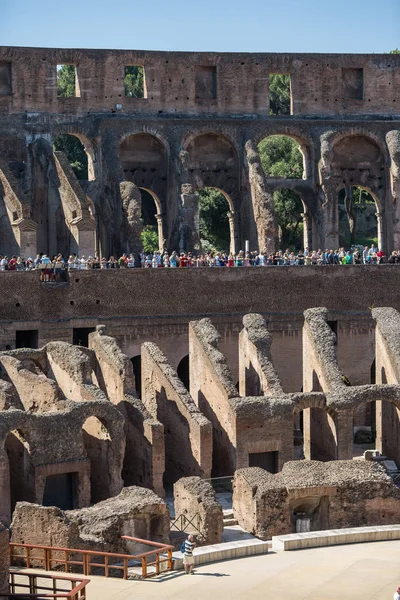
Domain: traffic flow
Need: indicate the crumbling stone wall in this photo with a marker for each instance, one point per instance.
(257, 375)
(4, 561)
(188, 433)
(330, 495)
(137, 512)
(212, 389)
(196, 499)
(144, 461)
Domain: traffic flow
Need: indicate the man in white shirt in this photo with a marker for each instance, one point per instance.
(397, 594)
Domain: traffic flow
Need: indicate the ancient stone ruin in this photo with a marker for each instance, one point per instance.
(196, 122)
(75, 432)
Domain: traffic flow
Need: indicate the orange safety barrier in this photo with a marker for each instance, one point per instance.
(21, 581)
(74, 560)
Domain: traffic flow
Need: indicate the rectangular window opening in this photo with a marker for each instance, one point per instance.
(27, 338)
(280, 94)
(80, 335)
(67, 81)
(353, 84)
(265, 460)
(206, 83)
(5, 79)
(135, 82)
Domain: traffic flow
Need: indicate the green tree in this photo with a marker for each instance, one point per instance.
(281, 157)
(134, 82)
(75, 153)
(395, 51)
(279, 94)
(214, 224)
(149, 239)
(66, 81)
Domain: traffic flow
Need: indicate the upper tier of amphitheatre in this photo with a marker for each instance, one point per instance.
(195, 83)
(198, 124)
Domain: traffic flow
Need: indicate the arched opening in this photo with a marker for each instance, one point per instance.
(214, 220)
(283, 156)
(21, 469)
(144, 162)
(79, 156)
(137, 372)
(289, 210)
(183, 371)
(358, 169)
(358, 224)
(97, 442)
(151, 234)
(214, 173)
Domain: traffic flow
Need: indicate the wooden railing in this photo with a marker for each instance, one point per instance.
(158, 552)
(31, 586)
(90, 562)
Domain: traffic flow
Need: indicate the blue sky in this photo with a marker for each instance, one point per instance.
(220, 25)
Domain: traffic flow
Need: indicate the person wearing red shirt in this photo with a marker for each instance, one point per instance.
(381, 255)
(183, 261)
(12, 265)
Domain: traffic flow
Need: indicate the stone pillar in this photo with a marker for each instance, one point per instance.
(84, 234)
(5, 500)
(4, 561)
(393, 142)
(307, 230)
(160, 229)
(190, 228)
(379, 218)
(231, 219)
(344, 435)
(25, 235)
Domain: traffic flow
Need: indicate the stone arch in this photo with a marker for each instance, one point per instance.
(212, 161)
(345, 232)
(86, 150)
(304, 148)
(302, 215)
(144, 159)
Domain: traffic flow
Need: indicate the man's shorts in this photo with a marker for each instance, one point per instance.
(188, 560)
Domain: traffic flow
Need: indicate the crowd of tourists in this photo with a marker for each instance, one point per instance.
(53, 269)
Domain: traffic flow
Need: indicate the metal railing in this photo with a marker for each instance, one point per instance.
(187, 524)
(90, 562)
(221, 484)
(34, 586)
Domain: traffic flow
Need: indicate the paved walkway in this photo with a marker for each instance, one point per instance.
(354, 572)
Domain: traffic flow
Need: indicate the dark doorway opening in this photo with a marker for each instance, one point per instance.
(61, 490)
(137, 371)
(183, 371)
(80, 336)
(27, 338)
(265, 460)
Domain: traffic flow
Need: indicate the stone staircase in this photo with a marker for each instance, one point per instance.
(229, 519)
